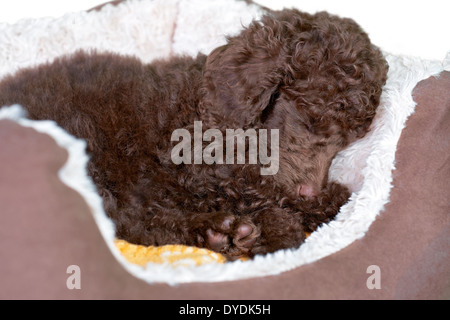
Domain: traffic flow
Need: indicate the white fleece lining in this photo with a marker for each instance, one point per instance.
(160, 28)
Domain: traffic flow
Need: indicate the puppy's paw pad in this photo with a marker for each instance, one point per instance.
(227, 224)
(246, 235)
(217, 241)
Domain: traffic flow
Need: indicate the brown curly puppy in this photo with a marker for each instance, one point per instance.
(315, 78)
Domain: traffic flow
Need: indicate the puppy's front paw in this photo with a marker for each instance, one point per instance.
(233, 237)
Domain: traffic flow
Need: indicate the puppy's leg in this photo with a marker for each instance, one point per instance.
(280, 229)
(286, 226)
(222, 232)
(324, 207)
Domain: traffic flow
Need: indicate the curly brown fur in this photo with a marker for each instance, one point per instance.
(315, 78)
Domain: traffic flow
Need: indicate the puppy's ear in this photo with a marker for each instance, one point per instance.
(242, 78)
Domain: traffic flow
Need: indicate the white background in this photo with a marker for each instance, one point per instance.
(410, 27)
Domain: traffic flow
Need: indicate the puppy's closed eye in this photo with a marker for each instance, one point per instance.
(268, 111)
(349, 69)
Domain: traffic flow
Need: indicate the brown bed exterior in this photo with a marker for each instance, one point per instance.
(46, 227)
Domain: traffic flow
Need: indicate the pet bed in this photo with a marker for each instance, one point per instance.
(159, 29)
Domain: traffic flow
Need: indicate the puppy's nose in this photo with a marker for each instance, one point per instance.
(307, 191)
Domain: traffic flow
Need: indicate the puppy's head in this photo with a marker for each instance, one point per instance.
(316, 78)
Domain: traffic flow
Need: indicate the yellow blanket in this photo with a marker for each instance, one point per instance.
(175, 255)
